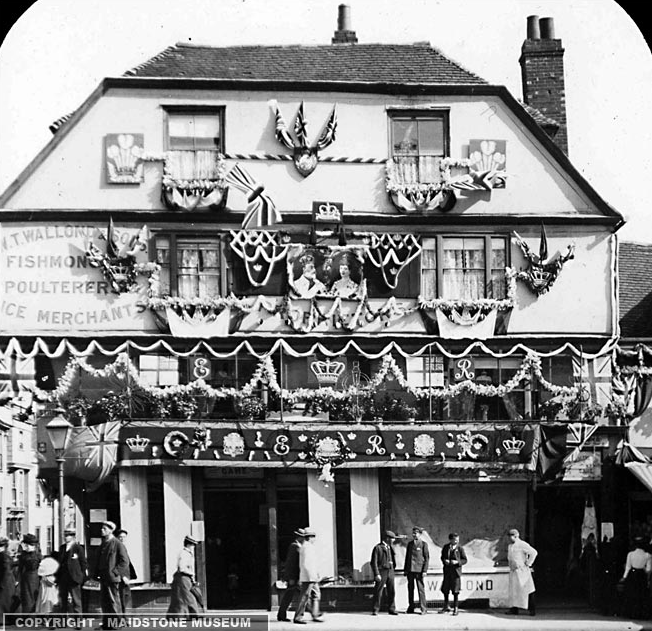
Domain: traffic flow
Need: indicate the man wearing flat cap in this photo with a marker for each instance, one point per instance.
(112, 565)
(72, 572)
(28, 578)
(291, 575)
(417, 557)
(125, 588)
(383, 564)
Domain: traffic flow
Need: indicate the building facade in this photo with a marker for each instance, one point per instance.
(353, 286)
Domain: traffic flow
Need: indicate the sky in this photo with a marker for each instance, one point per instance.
(58, 51)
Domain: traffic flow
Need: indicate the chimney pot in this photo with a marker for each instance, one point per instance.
(533, 27)
(344, 17)
(547, 26)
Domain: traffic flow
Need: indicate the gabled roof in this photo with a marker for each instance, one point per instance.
(375, 63)
(635, 289)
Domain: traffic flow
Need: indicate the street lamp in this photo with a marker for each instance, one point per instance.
(59, 430)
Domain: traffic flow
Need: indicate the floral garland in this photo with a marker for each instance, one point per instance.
(265, 373)
(394, 184)
(218, 182)
(179, 304)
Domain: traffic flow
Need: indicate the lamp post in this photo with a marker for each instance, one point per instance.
(59, 430)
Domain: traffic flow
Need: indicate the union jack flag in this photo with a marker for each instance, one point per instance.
(17, 375)
(593, 376)
(328, 134)
(300, 127)
(261, 211)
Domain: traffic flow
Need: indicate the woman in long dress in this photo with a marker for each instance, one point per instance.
(636, 578)
(183, 600)
(48, 594)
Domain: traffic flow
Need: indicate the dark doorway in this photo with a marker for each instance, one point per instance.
(237, 559)
(560, 574)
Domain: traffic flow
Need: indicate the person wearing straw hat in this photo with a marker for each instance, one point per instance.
(112, 565)
(183, 599)
(383, 564)
(7, 580)
(72, 572)
(28, 578)
(48, 594)
(310, 577)
(291, 572)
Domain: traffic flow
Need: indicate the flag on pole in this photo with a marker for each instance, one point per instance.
(261, 211)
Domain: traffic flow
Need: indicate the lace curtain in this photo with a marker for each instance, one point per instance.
(463, 273)
(417, 169)
(199, 269)
(192, 165)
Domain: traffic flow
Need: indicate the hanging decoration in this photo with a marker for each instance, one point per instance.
(120, 267)
(542, 271)
(391, 253)
(486, 167)
(305, 157)
(327, 452)
(261, 211)
(124, 164)
(260, 250)
(190, 194)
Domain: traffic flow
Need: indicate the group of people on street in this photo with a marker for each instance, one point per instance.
(53, 583)
(302, 576)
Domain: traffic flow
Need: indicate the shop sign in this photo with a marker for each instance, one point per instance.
(587, 466)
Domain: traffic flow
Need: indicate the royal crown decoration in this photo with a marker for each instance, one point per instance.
(513, 446)
(137, 443)
(327, 371)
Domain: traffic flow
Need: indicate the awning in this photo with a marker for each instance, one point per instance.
(643, 471)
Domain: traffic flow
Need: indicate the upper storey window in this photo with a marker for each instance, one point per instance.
(419, 142)
(464, 268)
(195, 138)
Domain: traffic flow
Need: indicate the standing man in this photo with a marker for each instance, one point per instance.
(520, 557)
(112, 565)
(383, 564)
(28, 561)
(183, 593)
(417, 557)
(124, 588)
(72, 572)
(291, 571)
(309, 577)
(453, 558)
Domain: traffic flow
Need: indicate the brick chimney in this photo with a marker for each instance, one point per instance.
(344, 34)
(542, 74)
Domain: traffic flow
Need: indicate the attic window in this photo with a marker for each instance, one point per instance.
(195, 137)
(419, 141)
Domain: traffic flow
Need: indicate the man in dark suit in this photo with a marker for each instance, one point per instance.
(124, 588)
(417, 557)
(383, 564)
(72, 573)
(112, 565)
(291, 575)
(453, 558)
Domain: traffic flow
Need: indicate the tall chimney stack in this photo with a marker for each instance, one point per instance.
(344, 34)
(542, 74)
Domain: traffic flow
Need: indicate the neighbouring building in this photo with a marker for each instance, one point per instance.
(353, 286)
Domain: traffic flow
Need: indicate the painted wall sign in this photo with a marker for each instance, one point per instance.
(48, 284)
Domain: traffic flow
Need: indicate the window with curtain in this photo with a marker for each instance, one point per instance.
(464, 268)
(194, 141)
(419, 142)
(159, 370)
(191, 267)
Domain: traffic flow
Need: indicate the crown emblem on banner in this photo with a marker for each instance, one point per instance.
(513, 446)
(327, 371)
(137, 444)
(328, 448)
(328, 212)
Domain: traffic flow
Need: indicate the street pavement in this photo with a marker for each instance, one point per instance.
(473, 619)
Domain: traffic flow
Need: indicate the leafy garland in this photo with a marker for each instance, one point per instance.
(265, 373)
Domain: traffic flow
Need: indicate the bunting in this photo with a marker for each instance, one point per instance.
(260, 250)
(391, 253)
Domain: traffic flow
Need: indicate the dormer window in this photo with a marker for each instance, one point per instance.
(419, 141)
(194, 139)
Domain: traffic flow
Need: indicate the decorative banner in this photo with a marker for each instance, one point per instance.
(331, 444)
(261, 211)
(326, 213)
(305, 157)
(542, 271)
(392, 253)
(260, 251)
(123, 159)
(198, 322)
(480, 328)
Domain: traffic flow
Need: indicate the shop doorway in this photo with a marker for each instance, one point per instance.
(563, 576)
(237, 559)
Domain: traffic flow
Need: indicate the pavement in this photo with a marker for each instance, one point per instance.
(472, 619)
